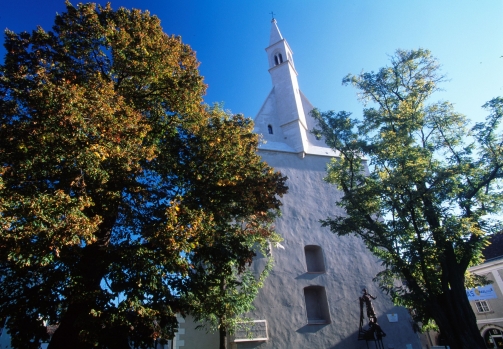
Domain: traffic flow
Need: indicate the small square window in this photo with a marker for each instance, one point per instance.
(482, 306)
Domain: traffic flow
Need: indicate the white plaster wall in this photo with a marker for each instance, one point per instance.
(349, 269)
(268, 117)
(311, 122)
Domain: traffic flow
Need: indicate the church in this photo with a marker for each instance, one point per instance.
(311, 298)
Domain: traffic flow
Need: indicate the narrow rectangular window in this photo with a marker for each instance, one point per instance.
(316, 305)
(314, 259)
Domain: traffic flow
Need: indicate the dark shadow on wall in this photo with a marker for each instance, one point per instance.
(394, 336)
(251, 345)
(311, 328)
(309, 276)
(349, 342)
(353, 342)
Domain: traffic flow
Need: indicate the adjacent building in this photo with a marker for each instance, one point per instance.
(487, 301)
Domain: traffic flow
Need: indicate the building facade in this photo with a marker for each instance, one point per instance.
(487, 301)
(311, 298)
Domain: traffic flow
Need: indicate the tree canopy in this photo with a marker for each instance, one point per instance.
(115, 179)
(425, 203)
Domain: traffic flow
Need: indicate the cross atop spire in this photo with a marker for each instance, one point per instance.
(272, 14)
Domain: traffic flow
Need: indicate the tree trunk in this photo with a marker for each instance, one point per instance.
(67, 334)
(89, 271)
(455, 318)
(451, 310)
(223, 338)
(222, 328)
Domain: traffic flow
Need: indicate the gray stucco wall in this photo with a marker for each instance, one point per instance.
(190, 337)
(349, 268)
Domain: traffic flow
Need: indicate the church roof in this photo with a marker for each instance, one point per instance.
(495, 249)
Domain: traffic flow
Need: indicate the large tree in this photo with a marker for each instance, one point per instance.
(113, 177)
(433, 182)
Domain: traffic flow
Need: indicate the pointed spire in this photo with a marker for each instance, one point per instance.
(275, 33)
(284, 119)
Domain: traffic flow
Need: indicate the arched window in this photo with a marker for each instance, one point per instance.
(314, 259)
(278, 59)
(316, 305)
(269, 129)
(494, 338)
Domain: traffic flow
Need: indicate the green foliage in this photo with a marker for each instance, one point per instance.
(222, 286)
(424, 207)
(113, 177)
(232, 288)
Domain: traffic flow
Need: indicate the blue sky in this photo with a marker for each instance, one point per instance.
(329, 38)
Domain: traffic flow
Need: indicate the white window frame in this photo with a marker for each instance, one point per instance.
(253, 339)
(482, 306)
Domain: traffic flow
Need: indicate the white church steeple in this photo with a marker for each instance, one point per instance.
(284, 119)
